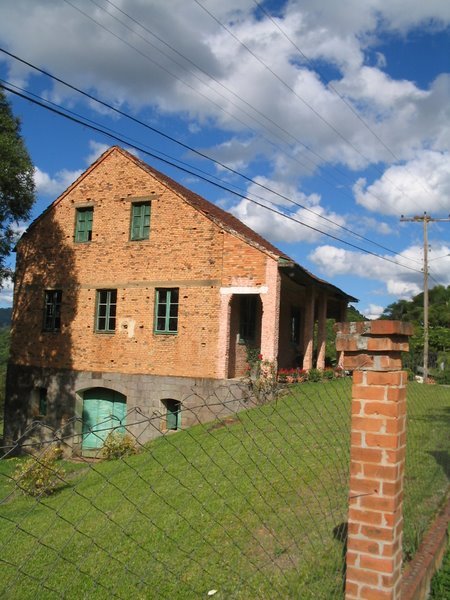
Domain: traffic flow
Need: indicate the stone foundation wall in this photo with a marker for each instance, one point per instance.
(202, 400)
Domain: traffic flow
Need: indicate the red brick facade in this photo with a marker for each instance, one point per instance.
(211, 259)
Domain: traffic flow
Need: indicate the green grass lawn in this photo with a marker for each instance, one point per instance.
(251, 507)
(427, 471)
(440, 584)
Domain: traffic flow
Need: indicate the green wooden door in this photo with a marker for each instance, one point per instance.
(173, 414)
(103, 410)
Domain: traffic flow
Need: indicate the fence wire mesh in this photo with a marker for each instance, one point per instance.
(427, 465)
(251, 504)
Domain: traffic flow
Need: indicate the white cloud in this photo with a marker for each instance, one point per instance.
(403, 115)
(373, 311)
(364, 224)
(422, 184)
(400, 281)
(278, 228)
(96, 150)
(54, 186)
(6, 291)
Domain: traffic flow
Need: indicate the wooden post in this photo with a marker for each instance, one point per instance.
(372, 350)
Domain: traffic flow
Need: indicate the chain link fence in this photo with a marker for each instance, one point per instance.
(252, 504)
(427, 466)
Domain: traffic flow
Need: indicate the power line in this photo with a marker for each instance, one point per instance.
(333, 88)
(292, 90)
(118, 138)
(205, 156)
(425, 219)
(296, 139)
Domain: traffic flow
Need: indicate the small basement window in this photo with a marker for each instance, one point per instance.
(173, 414)
(42, 401)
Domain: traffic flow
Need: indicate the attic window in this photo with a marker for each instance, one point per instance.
(83, 224)
(140, 221)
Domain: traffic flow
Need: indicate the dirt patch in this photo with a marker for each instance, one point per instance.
(224, 423)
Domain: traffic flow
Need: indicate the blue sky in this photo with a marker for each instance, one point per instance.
(337, 114)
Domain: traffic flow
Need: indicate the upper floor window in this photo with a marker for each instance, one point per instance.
(140, 221)
(166, 310)
(52, 310)
(105, 317)
(83, 224)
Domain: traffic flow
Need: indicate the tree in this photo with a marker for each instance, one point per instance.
(16, 181)
(439, 328)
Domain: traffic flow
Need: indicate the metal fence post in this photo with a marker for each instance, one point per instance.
(372, 350)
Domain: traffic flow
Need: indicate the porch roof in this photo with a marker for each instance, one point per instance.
(303, 277)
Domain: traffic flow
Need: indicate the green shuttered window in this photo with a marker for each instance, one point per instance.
(52, 310)
(166, 310)
(105, 318)
(83, 224)
(140, 221)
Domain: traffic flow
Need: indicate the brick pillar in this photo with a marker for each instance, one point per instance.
(378, 438)
(321, 330)
(308, 329)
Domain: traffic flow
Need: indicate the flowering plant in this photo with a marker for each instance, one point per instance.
(292, 375)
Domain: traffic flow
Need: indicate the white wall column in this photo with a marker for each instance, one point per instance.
(321, 330)
(308, 329)
(271, 312)
(223, 341)
(342, 318)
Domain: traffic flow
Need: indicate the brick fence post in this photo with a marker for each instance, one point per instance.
(372, 350)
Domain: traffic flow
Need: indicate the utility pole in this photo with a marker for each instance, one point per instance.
(426, 219)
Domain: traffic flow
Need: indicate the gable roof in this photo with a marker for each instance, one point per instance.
(221, 217)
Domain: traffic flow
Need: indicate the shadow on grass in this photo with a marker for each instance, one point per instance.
(340, 533)
(442, 457)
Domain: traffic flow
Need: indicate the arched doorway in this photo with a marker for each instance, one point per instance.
(104, 410)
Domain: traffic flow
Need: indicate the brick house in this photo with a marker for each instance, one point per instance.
(132, 291)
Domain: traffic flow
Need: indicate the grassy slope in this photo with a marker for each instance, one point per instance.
(249, 509)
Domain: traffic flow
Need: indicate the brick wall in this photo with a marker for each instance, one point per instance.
(185, 249)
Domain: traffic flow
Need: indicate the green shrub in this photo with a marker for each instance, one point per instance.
(410, 374)
(328, 374)
(315, 375)
(440, 584)
(40, 475)
(442, 377)
(118, 445)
